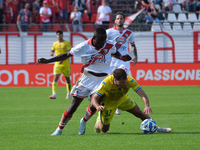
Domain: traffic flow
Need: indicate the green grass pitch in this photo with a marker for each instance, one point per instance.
(28, 117)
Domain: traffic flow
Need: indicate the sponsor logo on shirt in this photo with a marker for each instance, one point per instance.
(120, 40)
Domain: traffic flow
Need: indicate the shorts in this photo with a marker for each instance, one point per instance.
(63, 14)
(120, 64)
(62, 69)
(86, 84)
(125, 103)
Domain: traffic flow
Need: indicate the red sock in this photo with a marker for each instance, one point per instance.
(65, 116)
(88, 114)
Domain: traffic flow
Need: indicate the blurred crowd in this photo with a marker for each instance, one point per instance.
(78, 12)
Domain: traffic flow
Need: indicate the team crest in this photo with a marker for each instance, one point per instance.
(120, 40)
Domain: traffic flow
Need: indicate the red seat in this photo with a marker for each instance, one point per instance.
(93, 18)
(94, 11)
(34, 28)
(86, 18)
(88, 28)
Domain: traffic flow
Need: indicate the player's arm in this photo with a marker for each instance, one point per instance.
(119, 56)
(145, 99)
(52, 52)
(95, 100)
(60, 57)
(135, 54)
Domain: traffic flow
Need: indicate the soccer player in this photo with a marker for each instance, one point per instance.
(121, 37)
(95, 55)
(112, 93)
(61, 46)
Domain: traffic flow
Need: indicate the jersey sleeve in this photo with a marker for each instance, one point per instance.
(53, 46)
(131, 39)
(77, 51)
(68, 46)
(133, 84)
(101, 89)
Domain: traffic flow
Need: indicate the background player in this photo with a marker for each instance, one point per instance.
(112, 93)
(61, 46)
(121, 37)
(95, 55)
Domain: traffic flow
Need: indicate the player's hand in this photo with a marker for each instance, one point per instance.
(42, 61)
(126, 57)
(148, 110)
(60, 62)
(100, 108)
(134, 61)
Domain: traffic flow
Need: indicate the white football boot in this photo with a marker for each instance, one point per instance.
(82, 127)
(118, 112)
(68, 96)
(57, 132)
(96, 129)
(164, 129)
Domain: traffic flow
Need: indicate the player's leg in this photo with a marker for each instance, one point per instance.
(136, 111)
(67, 115)
(54, 86)
(68, 87)
(104, 118)
(90, 111)
(93, 84)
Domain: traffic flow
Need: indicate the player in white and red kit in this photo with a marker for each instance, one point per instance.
(95, 55)
(121, 37)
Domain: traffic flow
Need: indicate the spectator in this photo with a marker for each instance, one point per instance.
(88, 8)
(152, 14)
(52, 5)
(25, 17)
(198, 5)
(80, 4)
(145, 4)
(167, 5)
(2, 18)
(9, 12)
(103, 15)
(14, 10)
(76, 19)
(63, 7)
(45, 13)
(189, 5)
(36, 9)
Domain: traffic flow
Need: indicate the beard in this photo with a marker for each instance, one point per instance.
(120, 25)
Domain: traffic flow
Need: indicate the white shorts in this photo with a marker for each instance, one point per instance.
(86, 85)
(125, 66)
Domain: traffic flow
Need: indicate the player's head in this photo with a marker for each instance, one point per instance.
(119, 19)
(59, 35)
(99, 37)
(120, 77)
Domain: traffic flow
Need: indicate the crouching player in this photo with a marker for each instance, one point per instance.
(112, 93)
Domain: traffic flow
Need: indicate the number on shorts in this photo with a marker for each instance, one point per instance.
(108, 113)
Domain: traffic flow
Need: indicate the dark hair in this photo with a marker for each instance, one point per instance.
(119, 74)
(120, 13)
(59, 31)
(100, 32)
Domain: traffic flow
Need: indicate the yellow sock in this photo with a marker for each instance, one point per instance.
(68, 87)
(54, 87)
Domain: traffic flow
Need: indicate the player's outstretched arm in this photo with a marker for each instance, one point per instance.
(124, 57)
(147, 108)
(60, 57)
(135, 54)
(95, 99)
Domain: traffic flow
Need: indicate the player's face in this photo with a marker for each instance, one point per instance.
(121, 83)
(99, 41)
(119, 20)
(59, 36)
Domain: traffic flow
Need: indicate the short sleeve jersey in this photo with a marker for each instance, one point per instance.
(60, 48)
(113, 93)
(95, 60)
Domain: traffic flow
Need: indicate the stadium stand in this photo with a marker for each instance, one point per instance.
(167, 26)
(156, 27)
(177, 27)
(187, 26)
(182, 17)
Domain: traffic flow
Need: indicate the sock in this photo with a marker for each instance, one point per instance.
(68, 86)
(88, 114)
(66, 117)
(54, 87)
